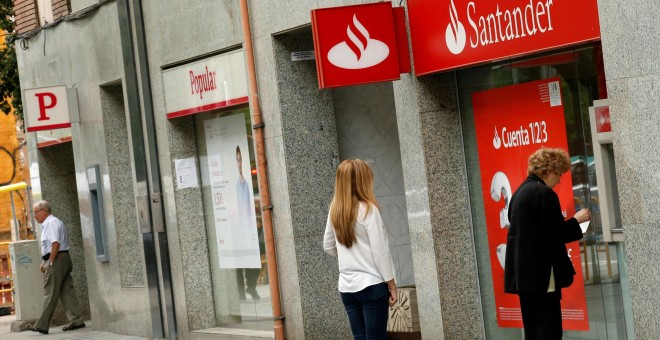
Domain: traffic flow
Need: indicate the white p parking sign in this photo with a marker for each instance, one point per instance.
(48, 108)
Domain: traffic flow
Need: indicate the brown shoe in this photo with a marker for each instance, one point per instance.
(73, 327)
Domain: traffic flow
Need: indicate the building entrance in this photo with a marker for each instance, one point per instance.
(580, 78)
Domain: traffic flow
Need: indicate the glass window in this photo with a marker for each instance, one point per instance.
(233, 219)
(579, 72)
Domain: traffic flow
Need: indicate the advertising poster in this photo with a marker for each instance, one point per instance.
(232, 194)
(511, 123)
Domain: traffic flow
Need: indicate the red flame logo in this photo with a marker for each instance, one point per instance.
(453, 16)
(455, 36)
(497, 142)
(358, 37)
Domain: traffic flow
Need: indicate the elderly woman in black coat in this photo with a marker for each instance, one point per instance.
(537, 264)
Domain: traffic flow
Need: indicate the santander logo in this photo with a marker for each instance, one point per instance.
(359, 51)
(497, 142)
(455, 34)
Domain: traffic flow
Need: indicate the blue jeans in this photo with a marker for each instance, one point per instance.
(368, 311)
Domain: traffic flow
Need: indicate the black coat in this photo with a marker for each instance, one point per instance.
(537, 237)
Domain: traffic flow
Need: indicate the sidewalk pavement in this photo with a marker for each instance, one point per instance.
(87, 333)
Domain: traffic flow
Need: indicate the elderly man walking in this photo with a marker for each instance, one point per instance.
(56, 268)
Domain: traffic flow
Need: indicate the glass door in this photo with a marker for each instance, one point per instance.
(233, 220)
(580, 73)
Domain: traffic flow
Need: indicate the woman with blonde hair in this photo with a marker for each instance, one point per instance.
(537, 266)
(356, 235)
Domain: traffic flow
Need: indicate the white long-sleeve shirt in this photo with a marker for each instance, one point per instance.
(368, 261)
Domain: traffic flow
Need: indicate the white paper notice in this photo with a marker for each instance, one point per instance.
(186, 173)
(555, 93)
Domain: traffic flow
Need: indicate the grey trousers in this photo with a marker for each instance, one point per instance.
(58, 284)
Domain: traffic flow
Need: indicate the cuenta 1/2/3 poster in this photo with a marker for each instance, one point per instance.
(511, 123)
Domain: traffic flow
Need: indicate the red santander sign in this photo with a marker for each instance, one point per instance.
(603, 119)
(456, 33)
(355, 44)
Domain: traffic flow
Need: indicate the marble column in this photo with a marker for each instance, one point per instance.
(438, 207)
(631, 47)
(301, 147)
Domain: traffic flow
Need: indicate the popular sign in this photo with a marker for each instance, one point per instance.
(208, 84)
(47, 108)
(511, 123)
(456, 33)
(355, 44)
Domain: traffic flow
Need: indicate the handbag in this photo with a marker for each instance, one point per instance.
(564, 271)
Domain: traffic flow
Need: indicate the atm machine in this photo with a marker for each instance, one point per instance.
(601, 135)
(610, 213)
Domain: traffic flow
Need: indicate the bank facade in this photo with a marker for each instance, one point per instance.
(165, 135)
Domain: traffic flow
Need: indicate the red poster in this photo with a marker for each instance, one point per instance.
(511, 123)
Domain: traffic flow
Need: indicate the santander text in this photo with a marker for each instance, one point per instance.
(510, 24)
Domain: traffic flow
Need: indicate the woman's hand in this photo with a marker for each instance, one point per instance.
(394, 298)
(583, 215)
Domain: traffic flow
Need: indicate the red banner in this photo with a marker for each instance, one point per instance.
(511, 123)
(457, 33)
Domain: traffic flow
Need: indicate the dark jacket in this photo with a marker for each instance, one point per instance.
(537, 237)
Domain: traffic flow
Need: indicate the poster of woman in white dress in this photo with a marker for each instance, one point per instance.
(231, 189)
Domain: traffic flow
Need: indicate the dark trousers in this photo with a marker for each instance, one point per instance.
(246, 279)
(541, 314)
(368, 312)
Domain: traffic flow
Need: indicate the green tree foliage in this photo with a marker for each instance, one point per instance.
(10, 88)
